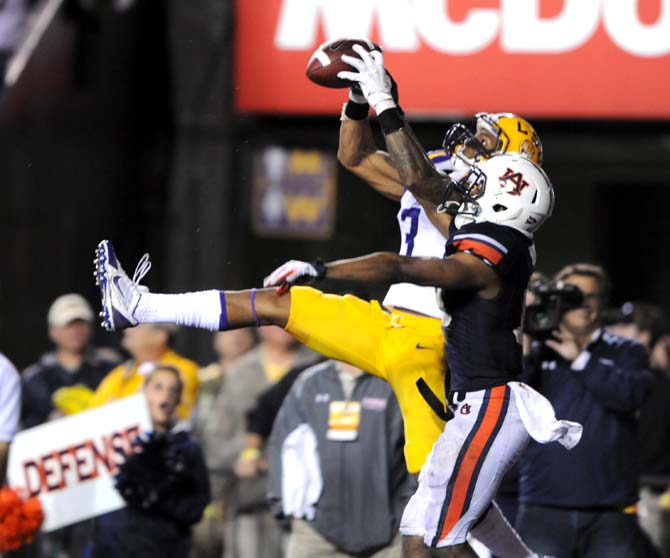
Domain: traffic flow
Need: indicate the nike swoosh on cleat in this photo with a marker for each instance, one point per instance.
(120, 292)
(420, 346)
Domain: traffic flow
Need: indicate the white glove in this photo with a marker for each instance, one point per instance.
(291, 272)
(371, 76)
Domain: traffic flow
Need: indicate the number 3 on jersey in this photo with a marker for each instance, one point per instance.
(411, 213)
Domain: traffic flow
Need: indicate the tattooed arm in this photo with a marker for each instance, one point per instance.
(427, 184)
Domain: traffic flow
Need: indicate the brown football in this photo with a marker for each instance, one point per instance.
(326, 63)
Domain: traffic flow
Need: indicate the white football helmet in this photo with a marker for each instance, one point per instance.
(506, 189)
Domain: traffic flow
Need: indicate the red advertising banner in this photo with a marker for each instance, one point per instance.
(548, 58)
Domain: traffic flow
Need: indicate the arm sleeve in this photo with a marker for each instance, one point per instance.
(10, 400)
(621, 383)
(291, 415)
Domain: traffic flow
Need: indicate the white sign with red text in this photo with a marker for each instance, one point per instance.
(69, 463)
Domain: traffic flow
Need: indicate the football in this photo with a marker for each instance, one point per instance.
(326, 63)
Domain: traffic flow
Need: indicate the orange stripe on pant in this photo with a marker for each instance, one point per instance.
(472, 455)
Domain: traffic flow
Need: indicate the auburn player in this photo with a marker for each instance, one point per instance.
(417, 377)
(469, 329)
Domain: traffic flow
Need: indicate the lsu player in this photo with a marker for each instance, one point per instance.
(502, 202)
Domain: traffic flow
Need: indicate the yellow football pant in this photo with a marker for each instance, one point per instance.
(405, 349)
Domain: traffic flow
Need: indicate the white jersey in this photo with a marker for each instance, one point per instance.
(418, 238)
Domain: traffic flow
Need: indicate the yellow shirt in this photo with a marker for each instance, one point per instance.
(125, 380)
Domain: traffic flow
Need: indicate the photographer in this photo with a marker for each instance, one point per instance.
(581, 503)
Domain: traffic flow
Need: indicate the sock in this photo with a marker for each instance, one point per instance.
(495, 532)
(203, 309)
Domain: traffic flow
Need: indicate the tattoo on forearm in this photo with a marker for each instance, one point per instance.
(416, 171)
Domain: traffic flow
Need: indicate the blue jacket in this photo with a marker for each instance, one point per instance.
(602, 389)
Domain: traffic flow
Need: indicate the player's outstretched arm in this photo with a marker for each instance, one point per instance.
(459, 271)
(358, 153)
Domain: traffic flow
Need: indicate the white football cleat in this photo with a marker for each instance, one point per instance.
(120, 294)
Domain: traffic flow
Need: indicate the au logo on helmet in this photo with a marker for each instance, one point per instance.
(516, 178)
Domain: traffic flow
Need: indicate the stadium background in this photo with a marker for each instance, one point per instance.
(122, 126)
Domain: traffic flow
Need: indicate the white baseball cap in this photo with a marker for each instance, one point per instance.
(67, 308)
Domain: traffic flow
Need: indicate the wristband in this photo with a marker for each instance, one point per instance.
(320, 269)
(250, 453)
(356, 111)
(390, 121)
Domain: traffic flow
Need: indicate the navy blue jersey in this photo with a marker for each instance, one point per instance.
(481, 345)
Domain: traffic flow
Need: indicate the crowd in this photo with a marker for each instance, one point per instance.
(620, 472)
(331, 434)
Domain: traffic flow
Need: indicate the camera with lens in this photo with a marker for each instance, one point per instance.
(552, 300)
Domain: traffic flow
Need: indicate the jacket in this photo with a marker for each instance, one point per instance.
(603, 390)
(365, 484)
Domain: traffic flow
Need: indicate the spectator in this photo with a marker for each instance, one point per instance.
(10, 404)
(250, 529)
(214, 378)
(229, 346)
(74, 361)
(165, 485)
(581, 503)
(73, 365)
(337, 465)
(149, 343)
(260, 420)
(646, 324)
